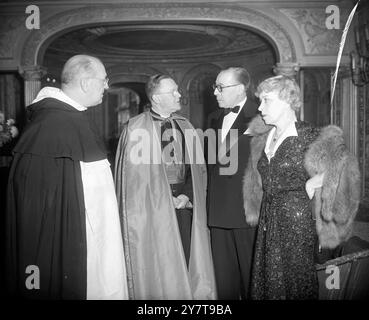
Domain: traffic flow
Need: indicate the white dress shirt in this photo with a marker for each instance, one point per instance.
(230, 118)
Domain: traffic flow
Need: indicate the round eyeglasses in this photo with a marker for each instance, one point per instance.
(220, 87)
(106, 80)
(173, 92)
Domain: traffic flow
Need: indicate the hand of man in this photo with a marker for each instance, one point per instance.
(181, 201)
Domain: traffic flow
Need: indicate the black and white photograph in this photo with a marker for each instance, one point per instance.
(187, 158)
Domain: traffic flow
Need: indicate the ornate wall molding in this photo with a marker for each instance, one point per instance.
(286, 69)
(10, 26)
(32, 81)
(198, 69)
(30, 73)
(317, 39)
(192, 75)
(34, 46)
(198, 93)
(130, 73)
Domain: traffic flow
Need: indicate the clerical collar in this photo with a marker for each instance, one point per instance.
(157, 114)
(56, 93)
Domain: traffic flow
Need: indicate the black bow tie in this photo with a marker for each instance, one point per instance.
(234, 109)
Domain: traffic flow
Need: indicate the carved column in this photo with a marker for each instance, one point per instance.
(292, 70)
(32, 81)
(286, 69)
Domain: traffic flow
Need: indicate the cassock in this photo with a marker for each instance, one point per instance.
(63, 231)
(155, 259)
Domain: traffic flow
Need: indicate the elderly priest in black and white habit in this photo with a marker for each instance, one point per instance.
(62, 215)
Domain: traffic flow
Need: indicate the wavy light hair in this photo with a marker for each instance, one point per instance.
(287, 88)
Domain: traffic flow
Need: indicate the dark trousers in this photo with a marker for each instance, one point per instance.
(184, 218)
(4, 174)
(232, 256)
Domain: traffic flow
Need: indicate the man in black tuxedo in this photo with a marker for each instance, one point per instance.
(232, 239)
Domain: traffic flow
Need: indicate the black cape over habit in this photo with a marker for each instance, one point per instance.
(45, 204)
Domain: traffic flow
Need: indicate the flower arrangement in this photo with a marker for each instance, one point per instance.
(8, 130)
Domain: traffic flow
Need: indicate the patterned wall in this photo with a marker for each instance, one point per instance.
(363, 109)
(363, 95)
(316, 96)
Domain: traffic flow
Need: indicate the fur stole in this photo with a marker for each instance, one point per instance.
(336, 203)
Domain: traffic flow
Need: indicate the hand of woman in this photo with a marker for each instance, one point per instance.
(314, 183)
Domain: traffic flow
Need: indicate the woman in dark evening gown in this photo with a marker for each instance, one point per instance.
(293, 168)
(284, 252)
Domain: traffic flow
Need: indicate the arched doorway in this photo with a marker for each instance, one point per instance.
(122, 102)
(219, 38)
(202, 102)
(33, 48)
(38, 41)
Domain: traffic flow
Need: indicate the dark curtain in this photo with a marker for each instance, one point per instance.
(12, 105)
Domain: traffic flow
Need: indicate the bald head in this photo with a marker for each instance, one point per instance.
(84, 79)
(78, 67)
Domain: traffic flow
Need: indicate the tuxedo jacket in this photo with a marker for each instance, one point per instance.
(225, 198)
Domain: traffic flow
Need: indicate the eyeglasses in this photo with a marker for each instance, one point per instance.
(106, 80)
(169, 92)
(220, 87)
